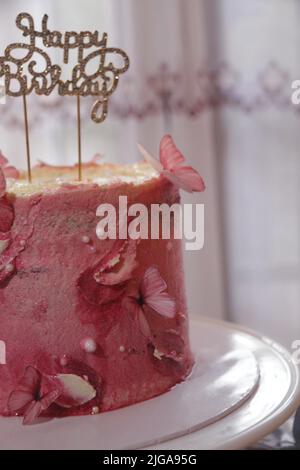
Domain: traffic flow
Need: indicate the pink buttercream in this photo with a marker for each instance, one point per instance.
(60, 291)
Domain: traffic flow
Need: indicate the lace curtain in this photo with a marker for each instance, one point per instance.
(217, 74)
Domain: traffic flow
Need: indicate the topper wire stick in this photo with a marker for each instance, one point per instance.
(27, 137)
(79, 138)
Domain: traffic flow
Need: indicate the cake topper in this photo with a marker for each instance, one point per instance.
(28, 68)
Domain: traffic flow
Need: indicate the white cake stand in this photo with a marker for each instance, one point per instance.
(243, 387)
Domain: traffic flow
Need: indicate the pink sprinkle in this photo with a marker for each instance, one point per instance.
(64, 360)
(85, 239)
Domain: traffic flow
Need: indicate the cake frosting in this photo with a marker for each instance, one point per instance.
(89, 325)
(58, 323)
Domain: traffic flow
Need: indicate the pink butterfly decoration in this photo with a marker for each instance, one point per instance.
(172, 166)
(37, 391)
(26, 398)
(151, 293)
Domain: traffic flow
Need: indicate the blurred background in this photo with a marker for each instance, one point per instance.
(217, 74)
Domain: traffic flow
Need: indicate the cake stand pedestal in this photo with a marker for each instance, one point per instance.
(243, 387)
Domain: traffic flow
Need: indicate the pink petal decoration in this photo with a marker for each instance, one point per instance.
(81, 369)
(106, 281)
(170, 156)
(113, 257)
(125, 272)
(74, 390)
(95, 293)
(170, 344)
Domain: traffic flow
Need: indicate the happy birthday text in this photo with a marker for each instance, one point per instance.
(28, 68)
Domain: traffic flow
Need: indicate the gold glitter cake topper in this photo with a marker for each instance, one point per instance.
(27, 68)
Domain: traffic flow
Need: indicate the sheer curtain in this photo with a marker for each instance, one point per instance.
(223, 71)
(217, 75)
(258, 153)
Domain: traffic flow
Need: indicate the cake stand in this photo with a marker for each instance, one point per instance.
(243, 387)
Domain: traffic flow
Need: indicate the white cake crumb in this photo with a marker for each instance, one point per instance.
(158, 355)
(9, 268)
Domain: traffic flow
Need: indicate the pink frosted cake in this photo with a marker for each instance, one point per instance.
(89, 325)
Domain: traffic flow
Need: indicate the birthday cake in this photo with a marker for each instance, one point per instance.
(90, 324)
